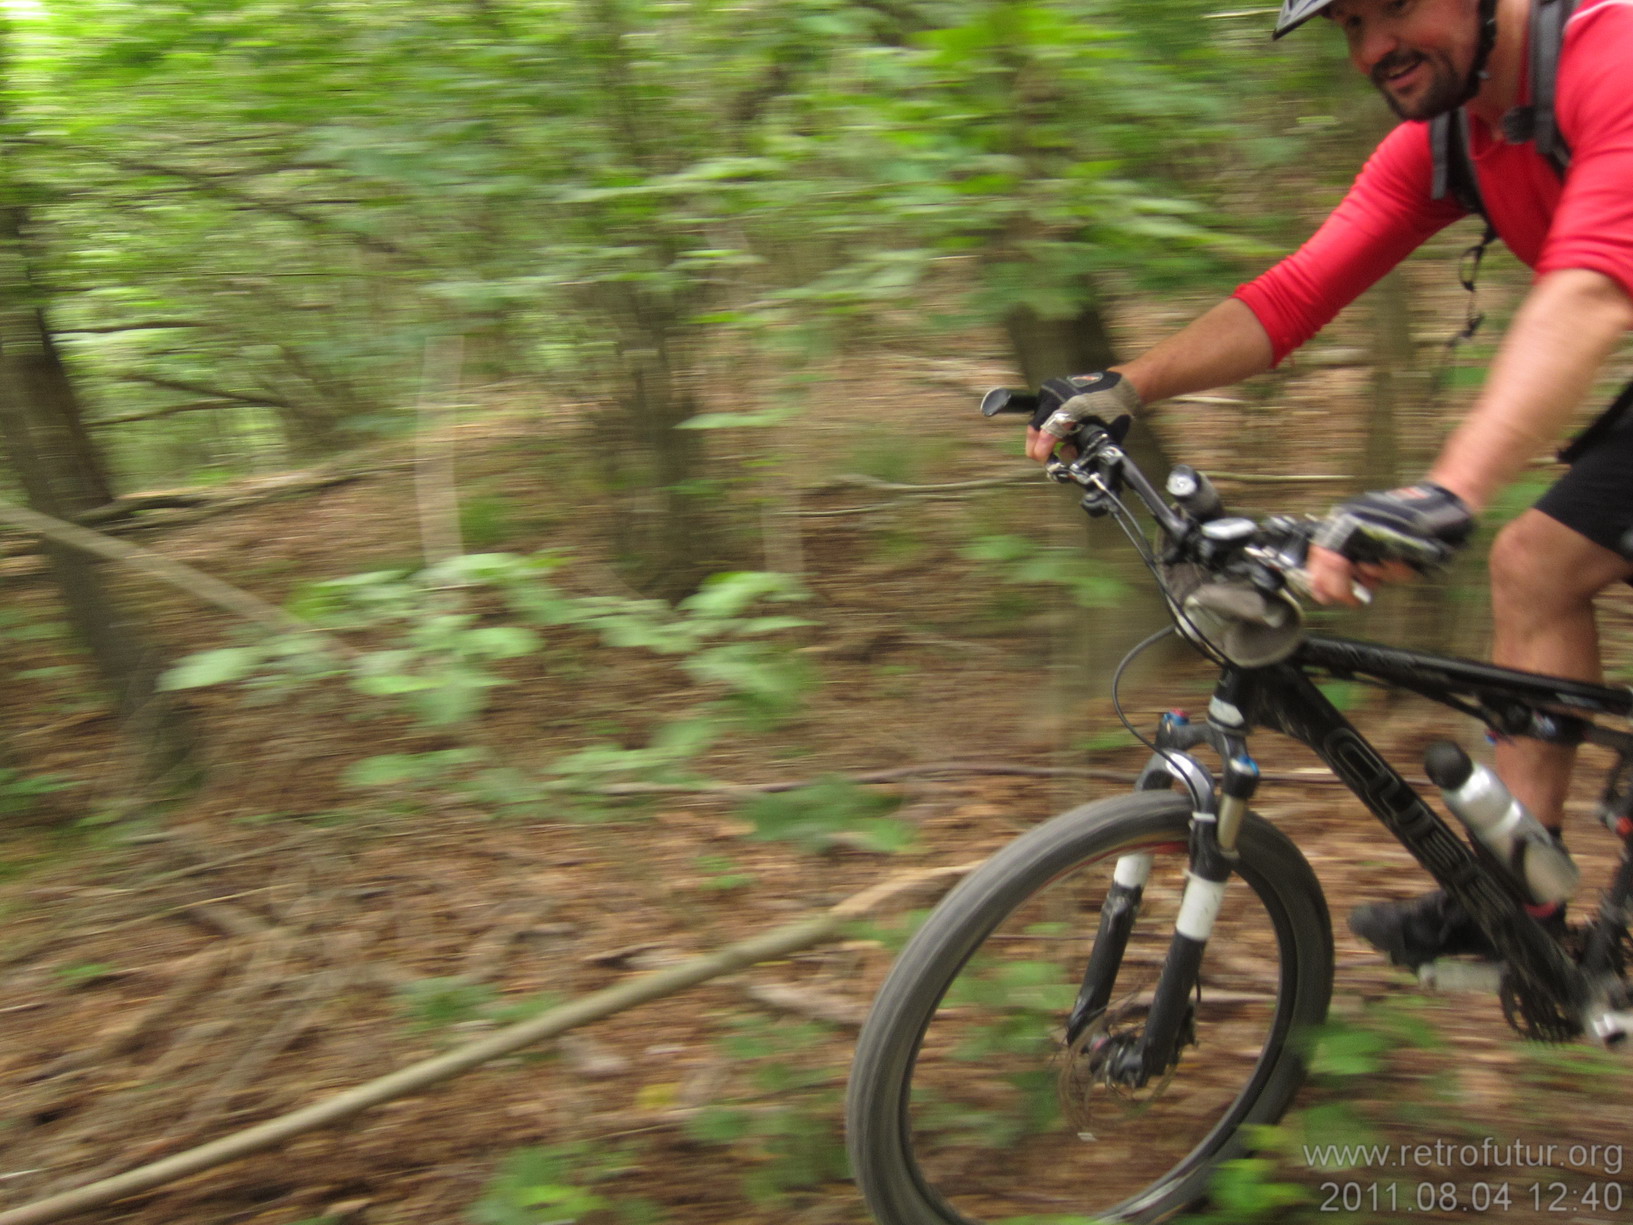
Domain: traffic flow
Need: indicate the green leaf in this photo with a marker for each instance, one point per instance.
(386, 770)
(775, 415)
(719, 1125)
(212, 668)
(389, 686)
(730, 594)
(500, 641)
(1348, 1051)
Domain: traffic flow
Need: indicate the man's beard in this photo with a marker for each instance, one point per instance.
(1446, 91)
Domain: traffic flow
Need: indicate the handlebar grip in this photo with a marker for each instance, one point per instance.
(1008, 400)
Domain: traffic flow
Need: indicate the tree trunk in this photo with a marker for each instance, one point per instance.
(669, 532)
(41, 428)
(677, 538)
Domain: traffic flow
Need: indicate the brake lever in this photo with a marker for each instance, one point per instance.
(1008, 400)
(1298, 579)
(1284, 548)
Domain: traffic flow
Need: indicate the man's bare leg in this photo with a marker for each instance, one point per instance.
(1544, 577)
(1543, 580)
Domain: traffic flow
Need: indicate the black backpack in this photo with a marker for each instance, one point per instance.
(1449, 134)
(1454, 176)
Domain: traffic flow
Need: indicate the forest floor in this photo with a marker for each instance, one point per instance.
(275, 936)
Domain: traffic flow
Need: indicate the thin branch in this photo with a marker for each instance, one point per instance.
(155, 326)
(207, 588)
(217, 183)
(196, 406)
(205, 503)
(135, 504)
(817, 929)
(198, 389)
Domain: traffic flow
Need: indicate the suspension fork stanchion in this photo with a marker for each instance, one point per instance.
(1211, 865)
(1121, 907)
(1213, 858)
(1241, 781)
(1117, 914)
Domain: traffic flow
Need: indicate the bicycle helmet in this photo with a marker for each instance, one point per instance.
(1295, 13)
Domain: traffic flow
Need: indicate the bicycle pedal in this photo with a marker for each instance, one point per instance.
(1459, 974)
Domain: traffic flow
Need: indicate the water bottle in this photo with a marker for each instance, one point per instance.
(1502, 824)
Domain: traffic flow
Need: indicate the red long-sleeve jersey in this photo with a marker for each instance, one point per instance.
(1584, 222)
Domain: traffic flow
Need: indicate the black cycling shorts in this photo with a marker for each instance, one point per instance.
(1595, 497)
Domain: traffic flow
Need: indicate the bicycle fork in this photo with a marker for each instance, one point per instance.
(1216, 820)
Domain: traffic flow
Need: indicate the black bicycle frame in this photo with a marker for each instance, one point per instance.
(1285, 698)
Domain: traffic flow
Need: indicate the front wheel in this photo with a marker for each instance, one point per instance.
(967, 1104)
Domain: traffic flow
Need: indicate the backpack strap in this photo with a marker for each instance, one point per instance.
(1454, 177)
(1454, 173)
(1536, 121)
(1453, 167)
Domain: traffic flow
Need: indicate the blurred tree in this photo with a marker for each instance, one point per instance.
(42, 430)
(262, 213)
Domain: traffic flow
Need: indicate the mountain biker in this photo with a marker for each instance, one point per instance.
(1575, 229)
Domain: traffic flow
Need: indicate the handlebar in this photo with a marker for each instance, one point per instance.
(1250, 570)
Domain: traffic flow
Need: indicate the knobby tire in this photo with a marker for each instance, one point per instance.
(964, 1104)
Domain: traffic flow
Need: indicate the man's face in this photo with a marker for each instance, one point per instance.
(1417, 52)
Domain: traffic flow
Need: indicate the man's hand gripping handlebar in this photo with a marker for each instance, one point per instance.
(1268, 556)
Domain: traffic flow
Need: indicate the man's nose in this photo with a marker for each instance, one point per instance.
(1374, 46)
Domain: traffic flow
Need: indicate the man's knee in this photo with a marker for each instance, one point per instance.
(1515, 558)
(1544, 564)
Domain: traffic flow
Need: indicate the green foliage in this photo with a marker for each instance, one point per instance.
(722, 874)
(1334, 1123)
(436, 1003)
(1248, 1189)
(1346, 1050)
(406, 769)
(485, 521)
(1513, 499)
(1348, 1059)
(20, 793)
(19, 626)
(829, 814)
(217, 667)
(330, 194)
(83, 973)
(1344, 695)
(67, 679)
(551, 1186)
(1015, 559)
(786, 1134)
(430, 657)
